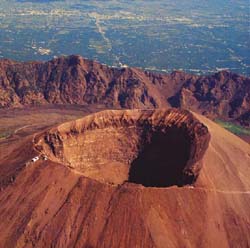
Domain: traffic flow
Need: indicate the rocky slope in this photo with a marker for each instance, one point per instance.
(75, 80)
(59, 203)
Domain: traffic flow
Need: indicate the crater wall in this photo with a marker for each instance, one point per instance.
(155, 148)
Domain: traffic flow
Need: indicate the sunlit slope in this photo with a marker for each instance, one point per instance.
(51, 205)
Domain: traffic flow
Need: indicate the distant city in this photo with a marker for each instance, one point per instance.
(196, 36)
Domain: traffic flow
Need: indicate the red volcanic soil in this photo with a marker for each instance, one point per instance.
(127, 178)
(245, 137)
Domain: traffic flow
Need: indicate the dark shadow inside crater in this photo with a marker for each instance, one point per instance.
(162, 160)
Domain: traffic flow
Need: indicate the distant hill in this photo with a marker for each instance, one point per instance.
(75, 80)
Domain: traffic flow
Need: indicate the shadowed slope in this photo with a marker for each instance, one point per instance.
(162, 161)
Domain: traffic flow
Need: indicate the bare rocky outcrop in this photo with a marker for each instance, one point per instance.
(75, 80)
(155, 148)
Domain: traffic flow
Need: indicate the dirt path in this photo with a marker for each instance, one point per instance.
(21, 128)
(221, 191)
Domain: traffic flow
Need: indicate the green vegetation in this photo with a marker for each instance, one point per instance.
(156, 35)
(236, 129)
(4, 135)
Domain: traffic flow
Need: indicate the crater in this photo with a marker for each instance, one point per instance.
(153, 148)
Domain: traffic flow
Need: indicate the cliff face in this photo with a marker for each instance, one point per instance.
(74, 80)
(223, 94)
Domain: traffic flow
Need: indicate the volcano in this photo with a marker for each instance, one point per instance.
(127, 178)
